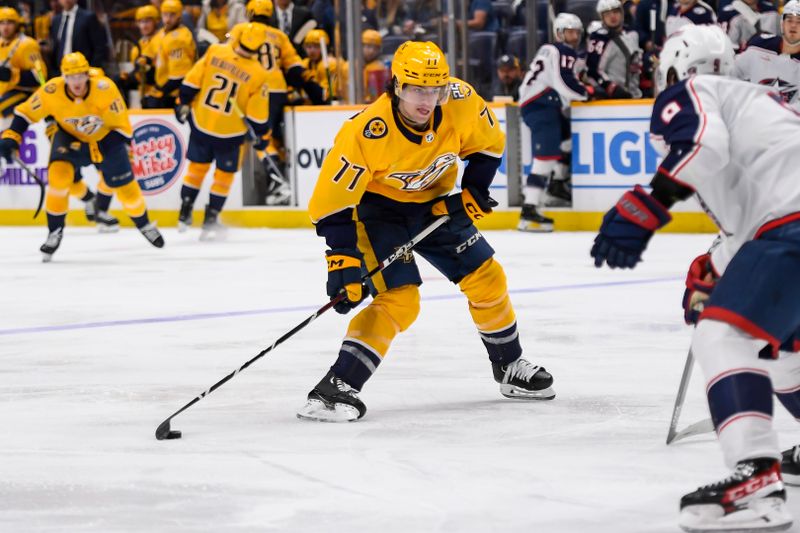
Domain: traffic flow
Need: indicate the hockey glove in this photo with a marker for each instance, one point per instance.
(182, 113)
(7, 149)
(616, 92)
(262, 142)
(344, 274)
(5, 74)
(626, 229)
(700, 282)
(464, 208)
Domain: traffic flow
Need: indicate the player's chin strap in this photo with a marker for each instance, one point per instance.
(164, 432)
(35, 178)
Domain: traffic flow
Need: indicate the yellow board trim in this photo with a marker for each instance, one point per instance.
(295, 218)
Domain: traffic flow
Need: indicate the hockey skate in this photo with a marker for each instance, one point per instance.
(752, 499)
(90, 209)
(531, 220)
(106, 223)
(559, 194)
(185, 215)
(332, 400)
(522, 380)
(51, 244)
(790, 466)
(153, 236)
(212, 229)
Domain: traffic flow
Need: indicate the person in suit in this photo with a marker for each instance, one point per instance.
(77, 30)
(292, 19)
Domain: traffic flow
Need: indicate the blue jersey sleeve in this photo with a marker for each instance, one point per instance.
(676, 121)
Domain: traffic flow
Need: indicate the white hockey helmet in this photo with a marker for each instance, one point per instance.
(695, 50)
(792, 7)
(568, 21)
(607, 5)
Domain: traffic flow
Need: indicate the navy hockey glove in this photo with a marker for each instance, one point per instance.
(7, 149)
(626, 229)
(261, 143)
(5, 74)
(700, 282)
(344, 274)
(465, 208)
(182, 113)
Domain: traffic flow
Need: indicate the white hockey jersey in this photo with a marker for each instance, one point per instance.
(763, 62)
(552, 70)
(736, 144)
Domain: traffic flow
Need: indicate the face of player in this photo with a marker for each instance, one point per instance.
(313, 51)
(572, 37)
(613, 19)
(170, 20)
(508, 75)
(371, 52)
(78, 84)
(7, 29)
(416, 103)
(146, 27)
(790, 27)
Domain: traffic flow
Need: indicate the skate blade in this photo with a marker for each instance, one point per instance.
(107, 229)
(317, 411)
(763, 515)
(516, 393)
(183, 227)
(534, 227)
(46, 258)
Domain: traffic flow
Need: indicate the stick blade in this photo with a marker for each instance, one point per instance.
(698, 428)
(163, 431)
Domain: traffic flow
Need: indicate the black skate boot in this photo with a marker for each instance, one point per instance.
(185, 215)
(531, 220)
(332, 400)
(106, 223)
(153, 236)
(51, 244)
(790, 466)
(90, 208)
(559, 193)
(751, 499)
(212, 229)
(522, 380)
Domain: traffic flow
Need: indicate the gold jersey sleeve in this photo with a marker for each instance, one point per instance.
(20, 54)
(176, 54)
(89, 119)
(376, 151)
(228, 84)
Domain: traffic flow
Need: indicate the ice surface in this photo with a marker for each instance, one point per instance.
(102, 344)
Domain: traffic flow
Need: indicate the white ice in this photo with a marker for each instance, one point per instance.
(101, 345)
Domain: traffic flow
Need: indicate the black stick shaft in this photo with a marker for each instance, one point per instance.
(35, 178)
(403, 250)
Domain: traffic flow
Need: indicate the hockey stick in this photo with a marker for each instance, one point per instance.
(276, 172)
(35, 178)
(703, 426)
(163, 430)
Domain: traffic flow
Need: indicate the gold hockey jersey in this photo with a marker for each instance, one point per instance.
(26, 56)
(228, 85)
(277, 55)
(375, 151)
(87, 119)
(176, 54)
(149, 47)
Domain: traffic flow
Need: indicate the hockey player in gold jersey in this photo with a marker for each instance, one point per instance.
(225, 96)
(176, 52)
(93, 128)
(322, 67)
(390, 172)
(22, 69)
(375, 72)
(143, 57)
(284, 67)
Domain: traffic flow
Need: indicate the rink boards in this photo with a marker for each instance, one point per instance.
(611, 152)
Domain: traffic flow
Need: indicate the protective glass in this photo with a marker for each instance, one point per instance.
(419, 95)
(81, 77)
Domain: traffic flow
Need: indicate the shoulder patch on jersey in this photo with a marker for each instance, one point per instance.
(376, 128)
(50, 88)
(459, 91)
(102, 84)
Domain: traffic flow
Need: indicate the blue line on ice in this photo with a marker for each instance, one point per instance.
(274, 310)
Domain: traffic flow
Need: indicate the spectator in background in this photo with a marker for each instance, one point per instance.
(745, 19)
(214, 19)
(481, 16)
(376, 75)
(650, 23)
(41, 32)
(614, 58)
(391, 14)
(323, 13)
(78, 30)
(509, 77)
(423, 16)
(295, 21)
(237, 13)
(685, 12)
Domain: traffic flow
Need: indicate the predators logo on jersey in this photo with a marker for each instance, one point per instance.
(87, 125)
(420, 180)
